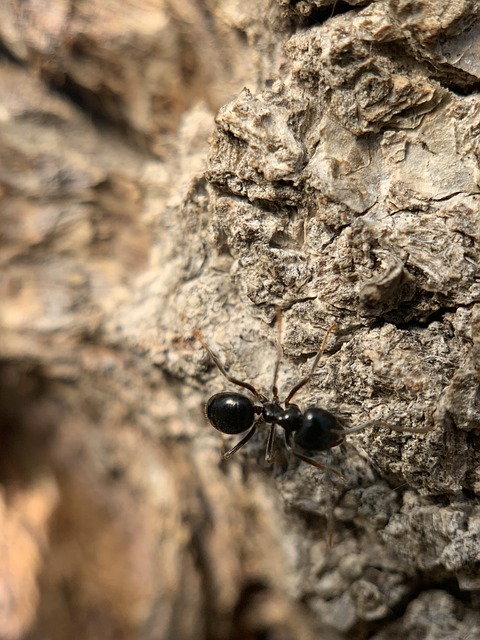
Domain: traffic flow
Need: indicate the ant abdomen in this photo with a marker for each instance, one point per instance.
(230, 412)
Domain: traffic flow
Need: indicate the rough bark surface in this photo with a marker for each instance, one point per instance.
(339, 182)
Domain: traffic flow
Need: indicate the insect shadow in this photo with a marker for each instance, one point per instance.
(306, 432)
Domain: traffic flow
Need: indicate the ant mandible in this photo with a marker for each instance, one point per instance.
(312, 430)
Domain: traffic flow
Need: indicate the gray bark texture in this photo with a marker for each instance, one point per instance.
(176, 168)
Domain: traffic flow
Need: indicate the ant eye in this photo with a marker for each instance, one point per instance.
(230, 412)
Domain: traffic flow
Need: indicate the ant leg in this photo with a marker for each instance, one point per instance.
(330, 523)
(279, 355)
(222, 369)
(304, 381)
(330, 516)
(313, 462)
(270, 442)
(302, 456)
(240, 444)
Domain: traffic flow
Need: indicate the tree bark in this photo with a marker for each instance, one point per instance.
(339, 182)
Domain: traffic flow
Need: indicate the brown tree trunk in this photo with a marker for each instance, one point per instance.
(341, 186)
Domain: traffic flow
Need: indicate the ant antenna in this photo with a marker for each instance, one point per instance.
(279, 318)
(223, 371)
(307, 378)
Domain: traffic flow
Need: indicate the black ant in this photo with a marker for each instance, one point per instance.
(312, 430)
